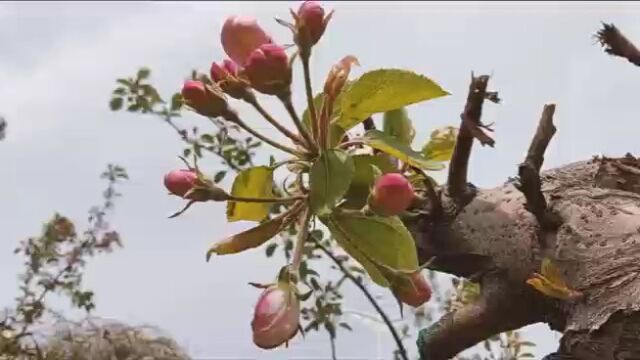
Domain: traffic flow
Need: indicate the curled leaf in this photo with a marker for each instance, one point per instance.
(551, 283)
(392, 146)
(440, 146)
(338, 76)
(254, 237)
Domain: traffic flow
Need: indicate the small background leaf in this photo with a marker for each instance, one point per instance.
(390, 145)
(383, 90)
(254, 182)
(384, 239)
(440, 146)
(329, 179)
(397, 124)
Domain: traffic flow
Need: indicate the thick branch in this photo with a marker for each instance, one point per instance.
(470, 128)
(493, 312)
(616, 44)
(529, 171)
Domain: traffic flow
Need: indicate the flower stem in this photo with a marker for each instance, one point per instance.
(352, 142)
(310, 104)
(233, 117)
(349, 275)
(266, 200)
(303, 234)
(286, 101)
(254, 102)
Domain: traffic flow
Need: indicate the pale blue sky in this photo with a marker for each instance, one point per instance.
(59, 62)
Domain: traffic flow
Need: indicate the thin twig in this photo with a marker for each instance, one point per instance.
(286, 101)
(256, 104)
(616, 44)
(352, 142)
(303, 234)
(385, 318)
(183, 135)
(529, 171)
(332, 340)
(469, 129)
(266, 200)
(311, 106)
(234, 118)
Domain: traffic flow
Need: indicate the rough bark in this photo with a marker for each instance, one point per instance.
(585, 216)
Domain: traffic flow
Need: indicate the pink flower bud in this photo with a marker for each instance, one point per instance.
(179, 182)
(417, 293)
(338, 75)
(227, 69)
(203, 100)
(268, 69)
(241, 36)
(392, 194)
(311, 23)
(276, 317)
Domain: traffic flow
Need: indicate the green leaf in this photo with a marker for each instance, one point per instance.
(366, 168)
(115, 104)
(383, 90)
(176, 101)
(397, 124)
(219, 176)
(384, 240)
(271, 249)
(255, 182)
(329, 178)
(208, 138)
(143, 73)
(126, 82)
(390, 145)
(251, 238)
(440, 146)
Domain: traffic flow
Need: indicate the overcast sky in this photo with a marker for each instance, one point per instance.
(57, 69)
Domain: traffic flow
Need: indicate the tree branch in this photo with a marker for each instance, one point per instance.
(470, 128)
(498, 309)
(529, 171)
(616, 44)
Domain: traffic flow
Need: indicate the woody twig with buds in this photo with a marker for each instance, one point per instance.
(363, 218)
